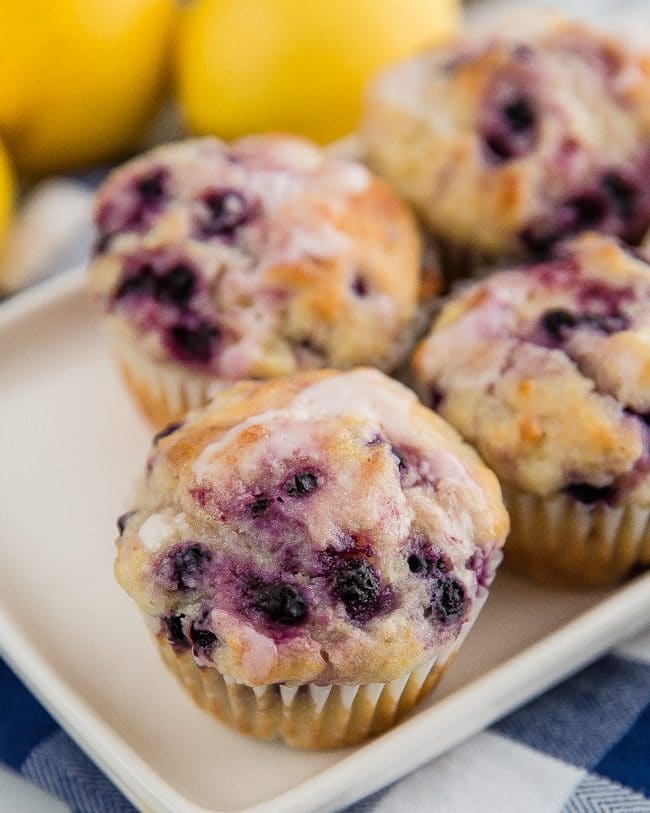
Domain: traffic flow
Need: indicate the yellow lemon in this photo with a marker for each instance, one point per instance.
(79, 79)
(299, 65)
(6, 192)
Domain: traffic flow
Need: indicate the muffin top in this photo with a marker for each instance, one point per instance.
(323, 528)
(546, 370)
(255, 259)
(513, 138)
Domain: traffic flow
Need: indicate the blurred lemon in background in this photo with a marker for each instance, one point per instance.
(79, 79)
(6, 192)
(299, 65)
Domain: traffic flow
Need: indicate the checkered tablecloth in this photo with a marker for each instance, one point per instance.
(583, 747)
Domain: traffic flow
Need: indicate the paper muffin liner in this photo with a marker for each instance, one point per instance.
(310, 716)
(461, 261)
(562, 542)
(163, 392)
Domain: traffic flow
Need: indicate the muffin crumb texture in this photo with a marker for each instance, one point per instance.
(322, 529)
(511, 140)
(256, 259)
(546, 371)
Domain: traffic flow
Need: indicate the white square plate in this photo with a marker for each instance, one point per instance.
(71, 442)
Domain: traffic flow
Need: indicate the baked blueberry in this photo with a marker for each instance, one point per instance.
(426, 560)
(542, 369)
(259, 505)
(177, 285)
(272, 603)
(360, 285)
(134, 206)
(558, 321)
(301, 484)
(185, 567)
(511, 130)
(449, 599)
(151, 187)
(203, 640)
(356, 584)
(504, 156)
(226, 210)
(418, 564)
(174, 627)
(142, 283)
(193, 343)
(280, 603)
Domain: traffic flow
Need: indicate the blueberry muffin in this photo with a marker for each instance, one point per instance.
(514, 138)
(313, 550)
(546, 371)
(217, 263)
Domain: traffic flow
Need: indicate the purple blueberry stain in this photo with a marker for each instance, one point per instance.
(201, 495)
(605, 323)
(184, 568)
(449, 600)
(582, 211)
(618, 203)
(428, 561)
(194, 342)
(135, 206)
(151, 188)
(173, 285)
(167, 431)
(559, 323)
(174, 631)
(418, 564)
(355, 583)
(399, 457)
(177, 285)
(596, 296)
(510, 130)
(301, 484)
(259, 505)
(360, 286)
(141, 283)
(203, 640)
(225, 210)
(479, 563)
(280, 602)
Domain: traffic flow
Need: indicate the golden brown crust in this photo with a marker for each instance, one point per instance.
(320, 270)
(428, 120)
(384, 478)
(551, 405)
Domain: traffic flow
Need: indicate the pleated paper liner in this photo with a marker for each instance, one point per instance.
(309, 716)
(163, 392)
(562, 542)
(461, 261)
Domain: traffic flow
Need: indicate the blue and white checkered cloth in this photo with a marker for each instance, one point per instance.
(583, 747)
